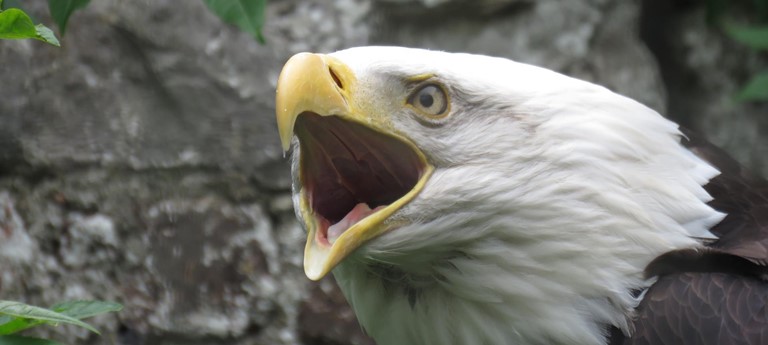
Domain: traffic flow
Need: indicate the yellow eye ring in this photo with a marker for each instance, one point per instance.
(430, 99)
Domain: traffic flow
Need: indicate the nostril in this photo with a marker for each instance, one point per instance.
(336, 78)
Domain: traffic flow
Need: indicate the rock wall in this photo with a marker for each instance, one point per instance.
(140, 162)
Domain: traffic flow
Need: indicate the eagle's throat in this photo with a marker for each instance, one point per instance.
(349, 171)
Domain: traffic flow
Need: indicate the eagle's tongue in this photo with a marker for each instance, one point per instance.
(360, 211)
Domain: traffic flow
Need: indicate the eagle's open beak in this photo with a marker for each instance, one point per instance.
(355, 170)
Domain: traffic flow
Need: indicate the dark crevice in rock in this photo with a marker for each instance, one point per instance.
(72, 204)
(178, 339)
(34, 174)
(272, 178)
(326, 319)
(417, 18)
(163, 94)
(128, 336)
(479, 10)
(11, 153)
(28, 173)
(660, 23)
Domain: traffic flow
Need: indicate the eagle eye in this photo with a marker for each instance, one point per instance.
(430, 99)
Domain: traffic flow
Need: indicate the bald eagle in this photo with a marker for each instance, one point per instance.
(466, 199)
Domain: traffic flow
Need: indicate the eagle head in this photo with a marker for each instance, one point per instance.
(465, 199)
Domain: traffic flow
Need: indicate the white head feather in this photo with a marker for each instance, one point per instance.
(549, 198)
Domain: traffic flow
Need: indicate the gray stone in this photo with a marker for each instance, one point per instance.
(591, 40)
(16, 247)
(321, 320)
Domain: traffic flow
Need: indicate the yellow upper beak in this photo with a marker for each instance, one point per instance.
(323, 85)
(308, 82)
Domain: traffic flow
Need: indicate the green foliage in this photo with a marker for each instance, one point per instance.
(248, 15)
(19, 340)
(62, 9)
(15, 24)
(756, 89)
(755, 36)
(17, 316)
(85, 309)
(29, 315)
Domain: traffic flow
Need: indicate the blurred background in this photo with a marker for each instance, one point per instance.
(140, 161)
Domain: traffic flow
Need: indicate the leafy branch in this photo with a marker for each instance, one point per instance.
(17, 316)
(248, 15)
(15, 24)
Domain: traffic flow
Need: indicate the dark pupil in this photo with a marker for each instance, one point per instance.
(426, 100)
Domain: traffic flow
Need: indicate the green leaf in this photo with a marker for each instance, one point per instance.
(756, 37)
(62, 9)
(755, 90)
(85, 309)
(18, 340)
(75, 309)
(248, 15)
(17, 325)
(15, 24)
(46, 35)
(24, 311)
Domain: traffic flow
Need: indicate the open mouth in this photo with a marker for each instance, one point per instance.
(349, 171)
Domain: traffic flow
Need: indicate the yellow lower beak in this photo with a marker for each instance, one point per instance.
(325, 86)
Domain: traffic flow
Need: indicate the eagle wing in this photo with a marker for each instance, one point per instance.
(702, 308)
(718, 295)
